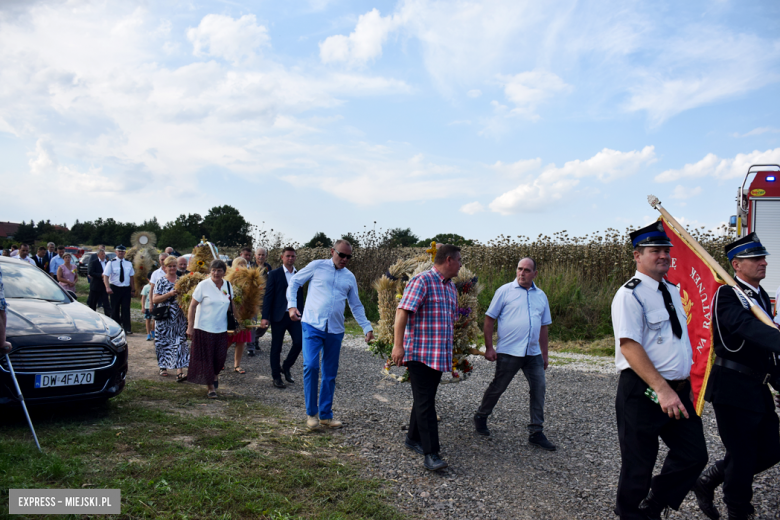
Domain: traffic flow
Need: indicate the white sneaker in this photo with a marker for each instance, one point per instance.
(330, 423)
(312, 422)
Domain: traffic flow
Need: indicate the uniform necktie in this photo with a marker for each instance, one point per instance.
(676, 327)
(122, 275)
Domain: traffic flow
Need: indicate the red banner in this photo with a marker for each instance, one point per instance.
(697, 282)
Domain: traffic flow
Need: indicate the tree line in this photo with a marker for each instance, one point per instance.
(222, 224)
(396, 237)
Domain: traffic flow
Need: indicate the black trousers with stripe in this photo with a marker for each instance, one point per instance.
(640, 423)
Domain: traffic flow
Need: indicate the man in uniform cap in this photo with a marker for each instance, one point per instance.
(746, 362)
(653, 355)
(118, 276)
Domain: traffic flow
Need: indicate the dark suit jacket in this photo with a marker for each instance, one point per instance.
(739, 336)
(95, 271)
(275, 299)
(41, 262)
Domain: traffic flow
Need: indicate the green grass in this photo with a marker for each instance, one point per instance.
(351, 327)
(176, 455)
(601, 347)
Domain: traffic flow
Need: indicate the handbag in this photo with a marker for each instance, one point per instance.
(161, 311)
(232, 324)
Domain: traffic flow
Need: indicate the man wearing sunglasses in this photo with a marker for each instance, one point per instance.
(332, 284)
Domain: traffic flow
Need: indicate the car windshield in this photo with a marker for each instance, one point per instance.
(24, 281)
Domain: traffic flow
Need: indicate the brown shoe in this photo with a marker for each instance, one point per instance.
(312, 422)
(331, 423)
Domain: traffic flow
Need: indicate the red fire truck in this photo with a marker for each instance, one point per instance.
(758, 209)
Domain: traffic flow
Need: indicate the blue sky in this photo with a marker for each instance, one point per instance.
(477, 118)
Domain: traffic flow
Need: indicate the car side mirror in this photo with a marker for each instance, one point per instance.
(72, 295)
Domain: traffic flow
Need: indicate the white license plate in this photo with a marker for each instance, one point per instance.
(64, 379)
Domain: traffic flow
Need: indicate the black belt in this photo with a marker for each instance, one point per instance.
(677, 385)
(742, 369)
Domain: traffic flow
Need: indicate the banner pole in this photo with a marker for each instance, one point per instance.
(759, 313)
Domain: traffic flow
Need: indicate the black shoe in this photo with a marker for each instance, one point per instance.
(288, 376)
(278, 383)
(704, 489)
(129, 332)
(480, 424)
(734, 515)
(651, 507)
(414, 445)
(250, 353)
(539, 439)
(434, 463)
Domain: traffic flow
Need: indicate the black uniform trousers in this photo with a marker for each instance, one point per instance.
(423, 424)
(99, 296)
(752, 442)
(120, 304)
(640, 422)
(278, 328)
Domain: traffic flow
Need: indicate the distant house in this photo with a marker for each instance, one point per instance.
(8, 229)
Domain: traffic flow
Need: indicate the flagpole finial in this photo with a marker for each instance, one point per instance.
(653, 200)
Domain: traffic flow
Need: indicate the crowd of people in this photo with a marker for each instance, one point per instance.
(653, 355)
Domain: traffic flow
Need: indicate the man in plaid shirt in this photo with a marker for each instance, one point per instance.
(424, 325)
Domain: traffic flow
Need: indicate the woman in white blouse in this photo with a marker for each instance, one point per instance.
(207, 326)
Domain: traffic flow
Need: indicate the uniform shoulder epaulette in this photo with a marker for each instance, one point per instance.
(632, 283)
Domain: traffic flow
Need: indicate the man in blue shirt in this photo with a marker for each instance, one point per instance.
(523, 315)
(331, 285)
(56, 261)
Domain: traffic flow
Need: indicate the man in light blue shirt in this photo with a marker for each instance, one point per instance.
(332, 284)
(523, 315)
(56, 261)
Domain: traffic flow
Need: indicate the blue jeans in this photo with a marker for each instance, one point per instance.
(314, 341)
(506, 368)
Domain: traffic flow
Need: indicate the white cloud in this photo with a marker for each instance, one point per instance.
(363, 44)
(373, 174)
(555, 184)
(474, 93)
(703, 65)
(41, 161)
(712, 166)
(681, 192)
(472, 208)
(44, 167)
(221, 36)
(759, 131)
(527, 90)
(93, 82)
(616, 52)
(518, 168)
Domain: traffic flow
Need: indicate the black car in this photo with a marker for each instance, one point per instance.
(84, 262)
(62, 350)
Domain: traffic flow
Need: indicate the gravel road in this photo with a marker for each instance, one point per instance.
(488, 478)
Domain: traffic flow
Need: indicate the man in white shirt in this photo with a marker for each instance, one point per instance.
(332, 285)
(523, 316)
(24, 255)
(653, 355)
(119, 279)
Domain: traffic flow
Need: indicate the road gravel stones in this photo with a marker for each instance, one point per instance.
(496, 477)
